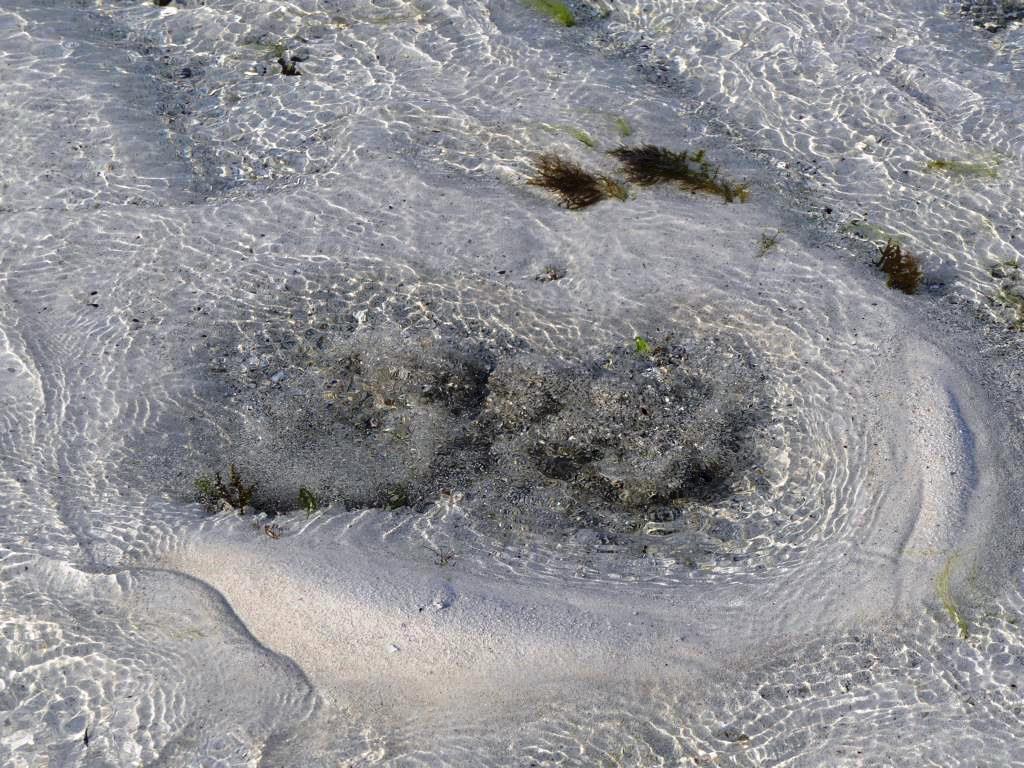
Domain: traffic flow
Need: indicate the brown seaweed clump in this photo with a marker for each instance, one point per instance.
(648, 164)
(576, 186)
(902, 269)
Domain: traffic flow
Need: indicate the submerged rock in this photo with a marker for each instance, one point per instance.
(993, 15)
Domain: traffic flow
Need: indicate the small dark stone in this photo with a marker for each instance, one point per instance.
(733, 735)
(288, 67)
(551, 274)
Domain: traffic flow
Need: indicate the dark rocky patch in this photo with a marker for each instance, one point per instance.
(993, 15)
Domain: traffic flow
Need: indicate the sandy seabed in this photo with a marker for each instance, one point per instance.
(662, 481)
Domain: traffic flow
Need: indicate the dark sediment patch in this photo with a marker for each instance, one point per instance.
(381, 414)
(368, 420)
(625, 440)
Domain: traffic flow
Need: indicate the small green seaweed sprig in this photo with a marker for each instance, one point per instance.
(213, 491)
(988, 169)
(555, 9)
(945, 590)
(768, 241)
(308, 501)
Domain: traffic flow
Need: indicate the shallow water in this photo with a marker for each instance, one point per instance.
(786, 532)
